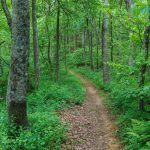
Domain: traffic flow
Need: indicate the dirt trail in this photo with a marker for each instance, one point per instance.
(90, 125)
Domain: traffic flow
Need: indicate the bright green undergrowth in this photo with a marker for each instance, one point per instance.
(46, 130)
(134, 125)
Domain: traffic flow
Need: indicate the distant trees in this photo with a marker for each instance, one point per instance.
(17, 83)
(35, 44)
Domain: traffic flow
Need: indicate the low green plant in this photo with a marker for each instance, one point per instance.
(134, 125)
(45, 132)
(45, 128)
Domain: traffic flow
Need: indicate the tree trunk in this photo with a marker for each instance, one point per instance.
(17, 82)
(131, 45)
(144, 65)
(98, 41)
(57, 41)
(35, 44)
(49, 43)
(105, 46)
(1, 67)
(91, 50)
(111, 39)
(97, 53)
(128, 4)
(65, 49)
(49, 51)
(84, 45)
(75, 41)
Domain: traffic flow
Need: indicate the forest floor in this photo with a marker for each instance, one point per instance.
(91, 127)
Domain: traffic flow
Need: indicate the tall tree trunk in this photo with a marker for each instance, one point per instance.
(57, 40)
(1, 67)
(35, 44)
(49, 51)
(75, 41)
(128, 4)
(144, 65)
(105, 46)
(17, 82)
(65, 49)
(49, 42)
(131, 57)
(84, 45)
(88, 39)
(97, 53)
(67, 31)
(91, 50)
(98, 41)
(111, 39)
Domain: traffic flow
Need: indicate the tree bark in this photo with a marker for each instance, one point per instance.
(35, 44)
(97, 53)
(75, 41)
(84, 45)
(111, 39)
(128, 4)
(65, 49)
(17, 82)
(131, 57)
(105, 47)
(57, 40)
(143, 68)
(1, 67)
(144, 65)
(7, 14)
(91, 50)
(49, 51)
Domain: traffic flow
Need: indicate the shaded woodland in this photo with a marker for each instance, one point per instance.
(106, 41)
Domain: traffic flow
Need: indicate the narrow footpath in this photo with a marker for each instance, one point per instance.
(90, 125)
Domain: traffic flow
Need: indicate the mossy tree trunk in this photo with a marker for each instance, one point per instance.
(17, 82)
(105, 46)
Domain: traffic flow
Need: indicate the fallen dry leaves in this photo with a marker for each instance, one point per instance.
(90, 127)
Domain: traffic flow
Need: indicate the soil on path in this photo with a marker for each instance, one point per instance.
(90, 125)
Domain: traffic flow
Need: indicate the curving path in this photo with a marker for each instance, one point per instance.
(90, 125)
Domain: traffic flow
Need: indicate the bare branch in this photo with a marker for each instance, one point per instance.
(2, 42)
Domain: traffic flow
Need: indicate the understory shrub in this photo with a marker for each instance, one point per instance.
(134, 125)
(45, 132)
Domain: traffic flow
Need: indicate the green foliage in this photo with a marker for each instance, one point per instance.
(138, 135)
(95, 77)
(78, 57)
(134, 125)
(3, 87)
(45, 130)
